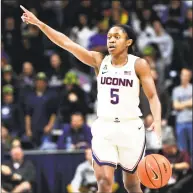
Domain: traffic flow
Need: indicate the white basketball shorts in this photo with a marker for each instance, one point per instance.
(118, 142)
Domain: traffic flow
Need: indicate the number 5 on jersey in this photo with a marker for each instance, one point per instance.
(114, 96)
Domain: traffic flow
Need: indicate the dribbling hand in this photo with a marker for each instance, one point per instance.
(156, 127)
(29, 17)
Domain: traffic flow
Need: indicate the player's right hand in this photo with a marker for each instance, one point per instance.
(29, 17)
(156, 127)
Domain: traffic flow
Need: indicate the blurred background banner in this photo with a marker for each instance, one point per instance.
(48, 98)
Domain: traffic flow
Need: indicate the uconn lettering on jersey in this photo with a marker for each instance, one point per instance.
(116, 81)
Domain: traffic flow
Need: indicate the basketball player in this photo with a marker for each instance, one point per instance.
(118, 133)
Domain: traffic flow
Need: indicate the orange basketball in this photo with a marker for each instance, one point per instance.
(154, 171)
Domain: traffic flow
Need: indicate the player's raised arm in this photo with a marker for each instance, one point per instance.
(143, 71)
(90, 58)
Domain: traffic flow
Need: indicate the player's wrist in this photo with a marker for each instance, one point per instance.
(40, 24)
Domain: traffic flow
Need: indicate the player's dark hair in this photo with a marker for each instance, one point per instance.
(130, 35)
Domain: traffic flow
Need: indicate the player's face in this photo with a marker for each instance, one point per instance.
(117, 41)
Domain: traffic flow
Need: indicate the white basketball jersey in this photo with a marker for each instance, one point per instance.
(118, 90)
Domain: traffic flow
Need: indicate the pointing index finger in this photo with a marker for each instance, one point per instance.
(24, 9)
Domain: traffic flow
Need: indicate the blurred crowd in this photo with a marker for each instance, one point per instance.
(49, 97)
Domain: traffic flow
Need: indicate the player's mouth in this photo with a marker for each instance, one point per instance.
(111, 47)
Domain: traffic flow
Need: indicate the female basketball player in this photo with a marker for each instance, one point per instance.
(118, 133)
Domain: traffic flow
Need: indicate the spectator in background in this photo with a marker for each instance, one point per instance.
(41, 110)
(27, 77)
(176, 9)
(33, 46)
(82, 32)
(9, 77)
(35, 38)
(174, 27)
(72, 99)
(188, 47)
(11, 37)
(164, 42)
(86, 7)
(181, 180)
(11, 113)
(18, 174)
(16, 143)
(99, 40)
(173, 18)
(26, 83)
(163, 96)
(118, 14)
(144, 37)
(56, 72)
(182, 104)
(5, 59)
(188, 19)
(152, 54)
(84, 177)
(76, 135)
(160, 37)
(144, 19)
(5, 139)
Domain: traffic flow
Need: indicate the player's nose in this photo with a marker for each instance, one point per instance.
(112, 40)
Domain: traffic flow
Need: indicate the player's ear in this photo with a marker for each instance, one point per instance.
(129, 42)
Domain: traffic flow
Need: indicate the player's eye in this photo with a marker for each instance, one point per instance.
(117, 37)
(108, 37)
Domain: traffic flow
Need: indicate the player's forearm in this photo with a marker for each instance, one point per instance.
(155, 107)
(55, 36)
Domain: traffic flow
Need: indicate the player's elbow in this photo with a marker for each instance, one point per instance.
(153, 97)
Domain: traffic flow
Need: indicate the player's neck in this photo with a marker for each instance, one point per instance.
(120, 60)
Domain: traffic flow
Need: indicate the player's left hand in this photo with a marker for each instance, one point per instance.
(156, 126)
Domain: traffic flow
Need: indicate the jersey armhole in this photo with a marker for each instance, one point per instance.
(136, 72)
(101, 65)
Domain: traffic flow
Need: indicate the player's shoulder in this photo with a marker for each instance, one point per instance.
(141, 63)
(106, 60)
(107, 57)
(142, 67)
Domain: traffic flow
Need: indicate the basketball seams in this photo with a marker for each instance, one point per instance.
(159, 169)
(169, 167)
(148, 174)
(145, 176)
